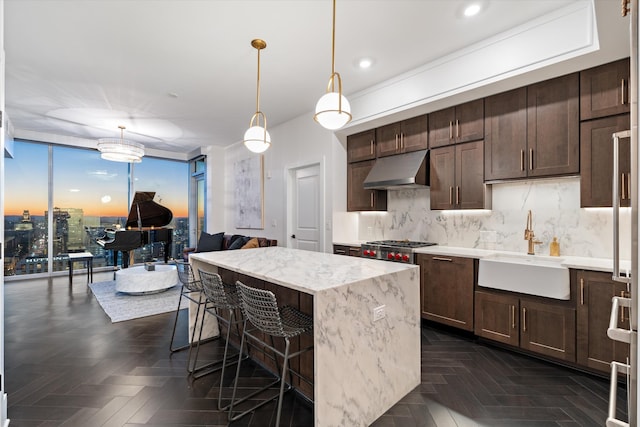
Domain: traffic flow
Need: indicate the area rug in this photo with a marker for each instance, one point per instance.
(120, 307)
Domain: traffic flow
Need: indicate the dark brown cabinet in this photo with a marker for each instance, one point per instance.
(596, 160)
(604, 90)
(361, 146)
(462, 123)
(447, 290)
(595, 349)
(456, 177)
(402, 137)
(505, 137)
(359, 199)
(525, 322)
(346, 250)
(553, 126)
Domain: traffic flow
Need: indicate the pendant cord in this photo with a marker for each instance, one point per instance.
(333, 41)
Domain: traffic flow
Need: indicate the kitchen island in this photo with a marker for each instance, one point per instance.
(361, 367)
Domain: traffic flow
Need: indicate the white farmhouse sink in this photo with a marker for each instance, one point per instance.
(529, 274)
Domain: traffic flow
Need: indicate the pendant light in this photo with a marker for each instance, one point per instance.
(333, 110)
(256, 138)
(120, 150)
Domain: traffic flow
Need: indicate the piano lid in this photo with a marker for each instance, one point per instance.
(144, 212)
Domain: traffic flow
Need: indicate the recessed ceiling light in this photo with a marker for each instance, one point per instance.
(472, 9)
(365, 63)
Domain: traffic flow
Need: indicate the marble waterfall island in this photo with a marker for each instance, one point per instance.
(361, 367)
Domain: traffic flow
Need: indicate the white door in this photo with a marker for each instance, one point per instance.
(306, 209)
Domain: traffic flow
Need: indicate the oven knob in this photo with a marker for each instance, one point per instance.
(405, 258)
(390, 256)
(365, 252)
(398, 257)
(372, 253)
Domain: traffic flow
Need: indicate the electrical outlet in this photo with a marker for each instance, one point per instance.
(379, 313)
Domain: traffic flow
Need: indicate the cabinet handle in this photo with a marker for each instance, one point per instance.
(457, 128)
(531, 159)
(457, 195)
(371, 198)
(628, 185)
(396, 142)
(622, 91)
(402, 140)
(451, 195)
(581, 291)
(371, 147)
(437, 258)
(623, 191)
(513, 317)
(450, 130)
(521, 160)
(524, 319)
(340, 252)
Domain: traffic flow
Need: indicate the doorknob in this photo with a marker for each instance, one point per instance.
(293, 236)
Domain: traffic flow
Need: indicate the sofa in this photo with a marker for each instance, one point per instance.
(223, 242)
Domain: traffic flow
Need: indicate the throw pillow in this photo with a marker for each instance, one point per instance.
(253, 243)
(210, 242)
(239, 242)
(233, 239)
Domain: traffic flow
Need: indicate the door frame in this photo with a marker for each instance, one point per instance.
(290, 178)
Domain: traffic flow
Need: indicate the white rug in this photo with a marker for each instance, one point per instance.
(119, 306)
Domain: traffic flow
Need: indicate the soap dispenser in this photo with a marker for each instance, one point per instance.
(554, 247)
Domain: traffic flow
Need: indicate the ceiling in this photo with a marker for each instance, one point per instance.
(182, 74)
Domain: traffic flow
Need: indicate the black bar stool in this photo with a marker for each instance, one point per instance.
(191, 290)
(219, 297)
(260, 308)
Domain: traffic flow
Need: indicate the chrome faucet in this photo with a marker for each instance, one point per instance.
(529, 236)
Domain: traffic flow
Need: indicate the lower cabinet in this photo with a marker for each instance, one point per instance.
(595, 349)
(447, 290)
(542, 327)
(346, 250)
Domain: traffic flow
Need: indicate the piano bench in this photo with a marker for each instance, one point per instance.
(87, 258)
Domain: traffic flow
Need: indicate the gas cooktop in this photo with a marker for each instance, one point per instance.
(400, 243)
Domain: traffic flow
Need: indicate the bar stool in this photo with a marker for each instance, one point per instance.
(191, 290)
(219, 296)
(260, 308)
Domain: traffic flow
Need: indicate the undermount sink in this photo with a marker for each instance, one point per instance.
(528, 274)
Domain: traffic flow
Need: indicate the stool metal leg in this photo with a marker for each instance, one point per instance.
(282, 377)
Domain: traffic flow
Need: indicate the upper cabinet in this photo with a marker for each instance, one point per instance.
(533, 131)
(361, 146)
(604, 90)
(457, 124)
(359, 199)
(402, 137)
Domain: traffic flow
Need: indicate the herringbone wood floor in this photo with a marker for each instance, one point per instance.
(68, 365)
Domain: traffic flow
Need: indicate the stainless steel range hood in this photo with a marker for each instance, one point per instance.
(409, 170)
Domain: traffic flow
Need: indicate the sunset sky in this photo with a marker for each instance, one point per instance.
(83, 180)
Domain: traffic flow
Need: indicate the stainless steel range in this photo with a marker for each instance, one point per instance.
(393, 250)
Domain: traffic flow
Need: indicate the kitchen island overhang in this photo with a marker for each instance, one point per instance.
(361, 367)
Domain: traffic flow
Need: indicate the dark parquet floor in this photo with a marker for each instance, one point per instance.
(66, 364)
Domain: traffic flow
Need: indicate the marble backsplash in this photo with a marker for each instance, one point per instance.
(555, 205)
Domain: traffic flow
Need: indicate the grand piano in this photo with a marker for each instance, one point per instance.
(145, 224)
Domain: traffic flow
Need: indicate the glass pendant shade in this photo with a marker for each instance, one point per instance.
(120, 150)
(257, 139)
(333, 111)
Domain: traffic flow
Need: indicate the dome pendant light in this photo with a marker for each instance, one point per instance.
(120, 150)
(256, 138)
(333, 110)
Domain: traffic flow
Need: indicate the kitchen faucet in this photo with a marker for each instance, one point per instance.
(529, 236)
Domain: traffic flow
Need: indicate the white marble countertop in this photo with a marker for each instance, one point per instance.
(305, 271)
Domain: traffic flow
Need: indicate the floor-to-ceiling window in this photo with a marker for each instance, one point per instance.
(61, 199)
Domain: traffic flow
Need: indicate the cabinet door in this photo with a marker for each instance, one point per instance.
(469, 121)
(441, 127)
(548, 329)
(361, 146)
(447, 290)
(470, 188)
(553, 127)
(496, 317)
(414, 134)
(604, 90)
(596, 160)
(595, 349)
(505, 138)
(359, 199)
(388, 140)
(442, 177)
(340, 250)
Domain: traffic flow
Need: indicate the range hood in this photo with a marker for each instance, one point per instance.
(409, 170)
